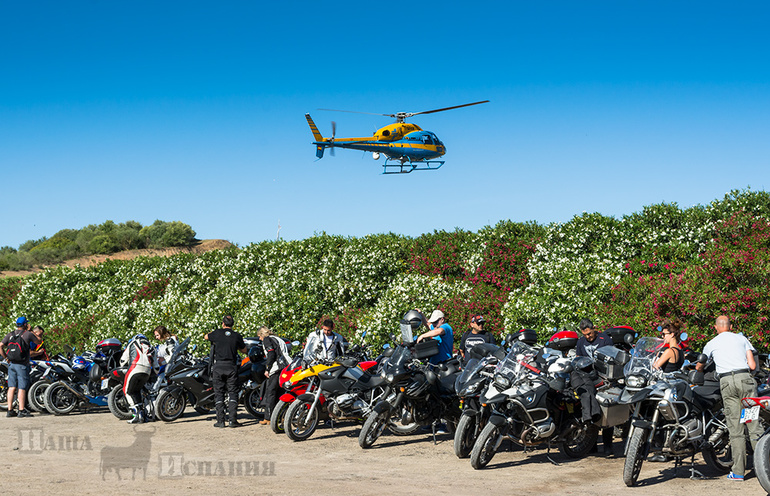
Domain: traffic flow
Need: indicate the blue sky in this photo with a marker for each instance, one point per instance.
(194, 111)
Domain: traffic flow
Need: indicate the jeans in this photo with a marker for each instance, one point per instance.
(734, 388)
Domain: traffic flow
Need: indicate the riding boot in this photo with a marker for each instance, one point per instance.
(136, 416)
(232, 408)
(220, 408)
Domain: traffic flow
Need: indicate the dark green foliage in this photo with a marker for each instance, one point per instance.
(106, 238)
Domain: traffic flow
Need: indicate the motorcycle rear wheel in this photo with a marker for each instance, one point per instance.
(468, 430)
(170, 405)
(253, 404)
(485, 447)
(3, 391)
(372, 429)
(762, 462)
(36, 395)
(118, 404)
(580, 441)
(637, 452)
(300, 422)
(278, 416)
(59, 400)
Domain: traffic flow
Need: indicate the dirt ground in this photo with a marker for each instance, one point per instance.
(92, 453)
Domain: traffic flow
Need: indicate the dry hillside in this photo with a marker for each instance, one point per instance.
(200, 247)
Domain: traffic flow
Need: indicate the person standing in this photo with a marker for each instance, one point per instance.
(139, 356)
(441, 331)
(37, 350)
(475, 335)
(225, 345)
(323, 344)
(277, 358)
(15, 347)
(733, 356)
(590, 341)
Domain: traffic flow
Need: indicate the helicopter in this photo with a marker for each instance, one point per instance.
(406, 146)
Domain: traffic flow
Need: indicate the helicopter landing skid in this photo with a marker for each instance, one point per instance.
(408, 166)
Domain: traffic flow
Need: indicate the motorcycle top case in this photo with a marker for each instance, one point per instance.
(107, 346)
(426, 348)
(610, 361)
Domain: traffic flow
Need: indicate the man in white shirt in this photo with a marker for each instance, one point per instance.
(733, 356)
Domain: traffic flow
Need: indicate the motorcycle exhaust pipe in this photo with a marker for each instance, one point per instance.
(77, 393)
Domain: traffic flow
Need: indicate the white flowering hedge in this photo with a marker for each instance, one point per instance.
(520, 275)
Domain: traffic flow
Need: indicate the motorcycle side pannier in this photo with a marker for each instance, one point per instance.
(426, 348)
(610, 361)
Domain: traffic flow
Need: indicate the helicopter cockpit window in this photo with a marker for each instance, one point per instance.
(427, 139)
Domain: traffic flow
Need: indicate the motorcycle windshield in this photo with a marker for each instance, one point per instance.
(512, 365)
(643, 355)
(398, 360)
(470, 375)
(180, 348)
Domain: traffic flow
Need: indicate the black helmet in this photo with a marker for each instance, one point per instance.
(413, 318)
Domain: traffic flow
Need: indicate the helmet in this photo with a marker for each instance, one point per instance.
(79, 363)
(413, 318)
(139, 336)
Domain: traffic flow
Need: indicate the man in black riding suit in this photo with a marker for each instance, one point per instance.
(225, 345)
(590, 341)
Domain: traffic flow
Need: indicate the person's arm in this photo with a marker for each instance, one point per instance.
(437, 331)
(750, 359)
(664, 359)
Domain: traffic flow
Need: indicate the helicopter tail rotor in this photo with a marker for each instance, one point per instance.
(331, 140)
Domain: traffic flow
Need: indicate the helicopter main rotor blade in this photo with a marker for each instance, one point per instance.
(410, 114)
(355, 112)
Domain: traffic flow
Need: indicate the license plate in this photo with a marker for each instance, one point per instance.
(749, 414)
(105, 383)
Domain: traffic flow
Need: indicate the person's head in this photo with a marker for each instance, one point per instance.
(22, 323)
(328, 327)
(38, 331)
(228, 321)
(437, 318)
(723, 324)
(161, 333)
(264, 332)
(477, 323)
(670, 331)
(588, 330)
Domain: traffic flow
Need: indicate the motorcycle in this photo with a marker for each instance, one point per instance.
(470, 384)
(339, 389)
(757, 409)
(532, 404)
(668, 415)
(82, 383)
(417, 393)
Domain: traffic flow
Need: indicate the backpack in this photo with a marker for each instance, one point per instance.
(18, 349)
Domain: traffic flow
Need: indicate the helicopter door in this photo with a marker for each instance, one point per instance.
(426, 139)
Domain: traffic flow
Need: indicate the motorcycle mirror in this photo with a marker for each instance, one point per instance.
(386, 346)
(683, 336)
(295, 343)
(702, 358)
(660, 329)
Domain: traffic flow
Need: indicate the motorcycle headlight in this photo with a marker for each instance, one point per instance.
(389, 378)
(635, 381)
(502, 381)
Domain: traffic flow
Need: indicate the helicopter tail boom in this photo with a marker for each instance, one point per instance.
(319, 152)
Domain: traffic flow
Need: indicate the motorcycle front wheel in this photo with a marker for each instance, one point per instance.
(253, 404)
(580, 441)
(170, 405)
(762, 462)
(485, 447)
(59, 400)
(118, 404)
(278, 416)
(301, 421)
(468, 430)
(637, 452)
(372, 429)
